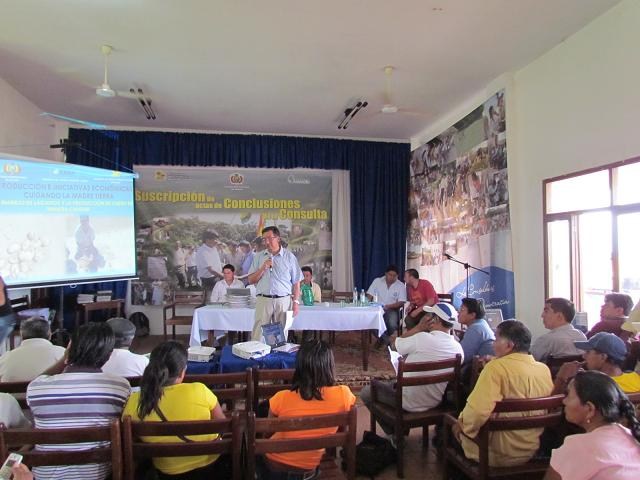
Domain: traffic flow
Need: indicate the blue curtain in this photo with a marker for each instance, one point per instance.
(379, 174)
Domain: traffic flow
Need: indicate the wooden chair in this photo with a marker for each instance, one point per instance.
(15, 440)
(267, 383)
(404, 420)
(181, 299)
(445, 297)
(535, 468)
(18, 390)
(635, 399)
(135, 449)
(555, 363)
(345, 437)
(227, 387)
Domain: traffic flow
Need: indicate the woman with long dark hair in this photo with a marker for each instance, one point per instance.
(607, 450)
(313, 392)
(163, 397)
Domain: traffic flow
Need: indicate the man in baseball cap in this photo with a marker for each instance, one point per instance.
(444, 312)
(606, 353)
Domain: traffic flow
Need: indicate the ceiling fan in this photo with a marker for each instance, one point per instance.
(389, 107)
(137, 94)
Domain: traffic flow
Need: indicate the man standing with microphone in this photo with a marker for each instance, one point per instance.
(276, 274)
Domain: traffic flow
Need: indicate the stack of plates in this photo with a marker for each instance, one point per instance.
(240, 301)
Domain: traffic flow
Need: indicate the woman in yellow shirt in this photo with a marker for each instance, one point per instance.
(313, 392)
(162, 394)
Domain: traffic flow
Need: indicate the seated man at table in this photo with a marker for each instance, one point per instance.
(559, 341)
(513, 374)
(420, 292)
(429, 341)
(123, 362)
(307, 279)
(219, 292)
(35, 354)
(392, 294)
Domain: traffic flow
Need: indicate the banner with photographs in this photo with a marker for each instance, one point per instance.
(459, 206)
(175, 206)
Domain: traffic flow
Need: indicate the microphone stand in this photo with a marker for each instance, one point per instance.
(466, 268)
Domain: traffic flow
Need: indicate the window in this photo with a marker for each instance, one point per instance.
(591, 229)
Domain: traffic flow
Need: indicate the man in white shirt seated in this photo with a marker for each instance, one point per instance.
(122, 362)
(429, 341)
(392, 294)
(228, 281)
(35, 354)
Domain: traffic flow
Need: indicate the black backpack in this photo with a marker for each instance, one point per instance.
(373, 455)
(141, 321)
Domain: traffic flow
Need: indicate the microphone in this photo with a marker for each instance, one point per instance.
(447, 255)
(271, 267)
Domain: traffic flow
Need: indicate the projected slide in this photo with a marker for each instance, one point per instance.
(64, 224)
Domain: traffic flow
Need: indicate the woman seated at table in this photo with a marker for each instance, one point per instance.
(163, 397)
(607, 450)
(313, 392)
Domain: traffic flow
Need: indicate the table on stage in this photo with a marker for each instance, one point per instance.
(317, 317)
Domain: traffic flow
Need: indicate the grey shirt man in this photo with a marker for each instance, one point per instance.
(557, 342)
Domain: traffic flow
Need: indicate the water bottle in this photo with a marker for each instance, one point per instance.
(355, 296)
(363, 297)
(375, 297)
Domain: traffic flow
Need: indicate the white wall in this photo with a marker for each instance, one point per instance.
(23, 131)
(575, 107)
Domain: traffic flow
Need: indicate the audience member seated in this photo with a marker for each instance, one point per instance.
(478, 338)
(429, 341)
(76, 393)
(420, 292)
(558, 342)
(219, 292)
(607, 450)
(164, 397)
(392, 294)
(35, 354)
(513, 374)
(313, 392)
(11, 415)
(123, 362)
(307, 279)
(613, 313)
(604, 352)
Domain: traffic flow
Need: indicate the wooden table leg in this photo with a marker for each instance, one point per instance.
(211, 337)
(365, 349)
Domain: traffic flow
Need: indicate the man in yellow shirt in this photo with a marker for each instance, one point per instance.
(514, 374)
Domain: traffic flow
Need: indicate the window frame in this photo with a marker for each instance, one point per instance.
(573, 216)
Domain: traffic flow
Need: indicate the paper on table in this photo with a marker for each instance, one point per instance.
(394, 357)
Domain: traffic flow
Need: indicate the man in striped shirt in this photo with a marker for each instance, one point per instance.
(76, 393)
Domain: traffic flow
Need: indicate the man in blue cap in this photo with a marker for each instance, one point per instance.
(606, 353)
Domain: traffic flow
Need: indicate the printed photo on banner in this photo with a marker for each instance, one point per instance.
(459, 206)
(188, 216)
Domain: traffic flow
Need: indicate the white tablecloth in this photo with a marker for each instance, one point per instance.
(318, 317)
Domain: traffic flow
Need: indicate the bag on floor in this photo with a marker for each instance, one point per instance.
(373, 455)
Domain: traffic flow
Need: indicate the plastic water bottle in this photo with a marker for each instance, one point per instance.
(363, 297)
(375, 297)
(355, 296)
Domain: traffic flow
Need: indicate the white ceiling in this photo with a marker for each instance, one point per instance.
(275, 66)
